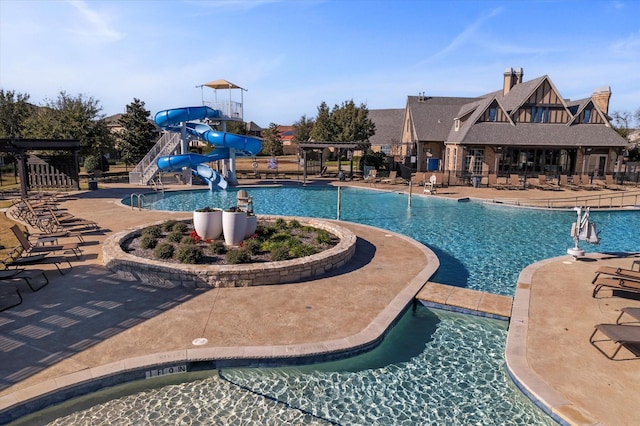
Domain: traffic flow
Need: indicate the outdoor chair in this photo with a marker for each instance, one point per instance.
(418, 178)
(16, 260)
(514, 183)
(492, 182)
(609, 183)
(632, 312)
(545, 185)
(616, 284)
(430, 187)
(35, 249)
(391, 179)
(70, 223)
(7, 293)
(586, 184)
(22, 274)
(622, 335)
(563, 182)
(616, 273)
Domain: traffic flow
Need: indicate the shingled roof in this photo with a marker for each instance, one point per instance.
(433, 117)
(388, 124)
(434, 120)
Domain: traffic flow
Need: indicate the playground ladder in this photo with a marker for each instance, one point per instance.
(146, 169)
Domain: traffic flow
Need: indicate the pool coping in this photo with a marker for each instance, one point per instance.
(52, 391)
(526, 379)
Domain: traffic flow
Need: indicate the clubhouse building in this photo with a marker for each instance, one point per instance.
(526, 128)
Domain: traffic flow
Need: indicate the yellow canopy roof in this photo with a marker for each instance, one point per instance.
(222, 84)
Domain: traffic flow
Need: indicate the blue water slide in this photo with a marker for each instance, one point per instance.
(222, 141)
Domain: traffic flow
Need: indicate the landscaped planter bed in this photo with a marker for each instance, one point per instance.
(160, 273)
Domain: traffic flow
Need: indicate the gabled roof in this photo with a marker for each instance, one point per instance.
(583, 104)
(480, 108)
(433, 117)
(434, 120)
(388, 124)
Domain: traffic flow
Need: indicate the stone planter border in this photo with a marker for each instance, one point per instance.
(160, 273)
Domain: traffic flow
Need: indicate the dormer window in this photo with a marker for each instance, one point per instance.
(539, 114)
(493, 111)
(587, 116)
(457, 124)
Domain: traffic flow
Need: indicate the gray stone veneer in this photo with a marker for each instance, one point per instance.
(158, 272)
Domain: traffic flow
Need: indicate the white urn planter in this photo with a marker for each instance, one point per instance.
(233, 227)
(252, 224)
(208, 225)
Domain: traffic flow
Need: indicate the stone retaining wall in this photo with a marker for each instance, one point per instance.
(160, 273)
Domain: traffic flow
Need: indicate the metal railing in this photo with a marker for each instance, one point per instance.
(621, 199)
(139, 201)
(146, 169)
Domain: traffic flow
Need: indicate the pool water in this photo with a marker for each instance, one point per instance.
(434, 367)
(480, 246)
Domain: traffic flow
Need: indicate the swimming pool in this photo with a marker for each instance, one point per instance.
(480, 246)
(434, 367)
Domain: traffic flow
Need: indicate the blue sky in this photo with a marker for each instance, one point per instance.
(292, 55)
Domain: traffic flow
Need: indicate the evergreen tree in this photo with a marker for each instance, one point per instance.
(138, 134)
(271, 142)
(322, 130)
(344, 123)
(351, 123)
(302, 129)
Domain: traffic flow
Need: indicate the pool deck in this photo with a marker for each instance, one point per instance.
(89, 323)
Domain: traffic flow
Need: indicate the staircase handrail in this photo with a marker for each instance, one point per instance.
(144, 171)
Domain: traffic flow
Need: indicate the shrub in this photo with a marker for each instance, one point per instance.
(164, 251)
(236, 256)
(293, 223)
(218, 247)
(301, 250)
(148, 242)
(187, 240)
(154, 231)
(175, 237)
(168, 225)
(281, 223)
(189, 253)
(252, 245)
(180, 227)
(323, 237)
(279, 252)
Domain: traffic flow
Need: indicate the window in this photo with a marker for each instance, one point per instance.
(587, 116)
(493, 111)
(539, 114)
(474, 161)
(457, 124)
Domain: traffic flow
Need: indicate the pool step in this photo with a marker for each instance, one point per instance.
(465, 300)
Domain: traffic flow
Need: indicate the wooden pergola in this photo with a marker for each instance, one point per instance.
(44, 174)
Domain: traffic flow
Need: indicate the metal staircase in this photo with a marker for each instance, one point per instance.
(146, 169)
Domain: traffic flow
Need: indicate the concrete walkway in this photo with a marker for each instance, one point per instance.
(89, 324)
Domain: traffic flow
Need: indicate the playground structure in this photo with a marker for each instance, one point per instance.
(171, 153)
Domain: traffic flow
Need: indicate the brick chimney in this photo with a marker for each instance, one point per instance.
(508, 81)
(519, 75)
(600, 97)
(512, 76)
